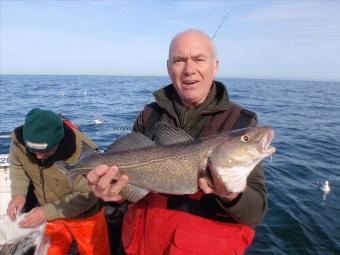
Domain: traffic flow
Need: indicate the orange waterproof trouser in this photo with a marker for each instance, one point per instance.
(90, 234)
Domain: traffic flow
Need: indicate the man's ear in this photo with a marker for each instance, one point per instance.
(216, 65)
(167, 66)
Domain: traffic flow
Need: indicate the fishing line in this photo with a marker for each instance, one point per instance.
(221, 24)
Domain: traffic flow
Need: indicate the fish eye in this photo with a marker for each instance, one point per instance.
(245, 138)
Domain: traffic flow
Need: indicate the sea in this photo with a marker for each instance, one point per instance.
(301, 218)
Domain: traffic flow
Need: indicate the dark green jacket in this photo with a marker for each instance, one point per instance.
(214, 115)
(51, 186)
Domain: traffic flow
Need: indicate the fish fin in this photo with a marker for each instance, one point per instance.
(205, 173)
(133, 193)
(166, 134)
(86, 151)
(129, 142)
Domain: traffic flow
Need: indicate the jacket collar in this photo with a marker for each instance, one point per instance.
(167, 96)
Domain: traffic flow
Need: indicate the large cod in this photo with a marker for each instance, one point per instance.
(173, 161)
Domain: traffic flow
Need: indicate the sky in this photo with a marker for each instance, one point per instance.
(295, 40)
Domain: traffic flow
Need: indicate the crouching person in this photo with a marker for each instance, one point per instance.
(72, 213)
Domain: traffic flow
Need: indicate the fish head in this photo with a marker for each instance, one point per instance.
(240, 152)
(244, 147)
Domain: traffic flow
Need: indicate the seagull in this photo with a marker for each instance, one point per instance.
(98, 121)
(325, 188)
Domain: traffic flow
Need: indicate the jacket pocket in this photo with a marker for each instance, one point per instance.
(201, 242)
(205, 237)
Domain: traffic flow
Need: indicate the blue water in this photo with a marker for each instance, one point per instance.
(304, 114)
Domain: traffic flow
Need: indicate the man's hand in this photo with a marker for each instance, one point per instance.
(15, 206)
(34, 218)
(106, 183)
(206, 189)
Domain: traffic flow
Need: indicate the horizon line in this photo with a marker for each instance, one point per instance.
(166, 76)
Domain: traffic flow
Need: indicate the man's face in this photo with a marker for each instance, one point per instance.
(192, 67)
(45, 155)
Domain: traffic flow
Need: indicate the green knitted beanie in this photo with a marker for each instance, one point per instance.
(43, 130)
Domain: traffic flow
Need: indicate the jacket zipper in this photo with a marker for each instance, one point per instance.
(42, 182)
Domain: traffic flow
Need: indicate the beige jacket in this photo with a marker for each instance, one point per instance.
(51, 186)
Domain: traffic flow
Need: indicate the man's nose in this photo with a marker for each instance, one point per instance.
(189, 67)
(40, 155)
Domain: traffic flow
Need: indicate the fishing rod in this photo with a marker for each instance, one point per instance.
(221, 24)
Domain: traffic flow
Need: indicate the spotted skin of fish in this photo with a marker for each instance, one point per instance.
(175, 168)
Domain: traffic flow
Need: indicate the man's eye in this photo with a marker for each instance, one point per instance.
(200, 60)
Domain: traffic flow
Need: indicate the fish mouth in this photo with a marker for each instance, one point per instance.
(266, 147)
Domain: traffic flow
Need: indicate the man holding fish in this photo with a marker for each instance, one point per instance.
(217, 214)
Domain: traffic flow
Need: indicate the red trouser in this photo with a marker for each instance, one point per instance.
(149, 229)
(90, 234)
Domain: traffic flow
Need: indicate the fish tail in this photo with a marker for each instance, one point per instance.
(65, 168)
(62, 166)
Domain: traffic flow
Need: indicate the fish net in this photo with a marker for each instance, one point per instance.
(16, 240)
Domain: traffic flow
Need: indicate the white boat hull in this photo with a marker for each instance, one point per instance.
(5, 184)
